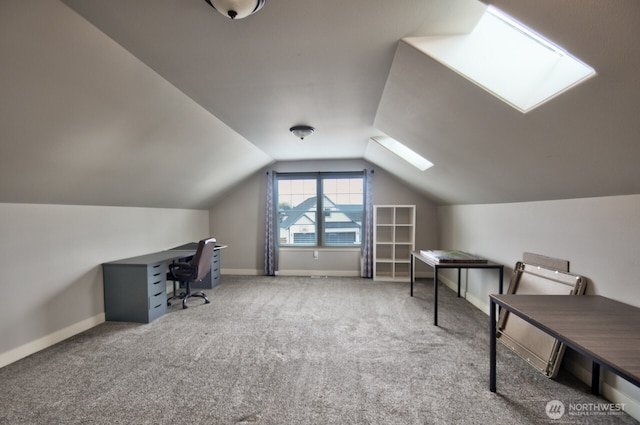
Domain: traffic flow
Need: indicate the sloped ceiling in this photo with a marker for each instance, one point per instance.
(165, 103)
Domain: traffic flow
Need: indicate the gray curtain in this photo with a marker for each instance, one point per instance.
(270, 248)
(366, 257)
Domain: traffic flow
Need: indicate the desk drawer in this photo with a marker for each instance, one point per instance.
(134, 293)
(156, 284)
(157, 300)
(156, 277)
(157, 305)
(156, 270)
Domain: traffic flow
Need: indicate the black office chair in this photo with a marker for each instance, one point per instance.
(193, 271)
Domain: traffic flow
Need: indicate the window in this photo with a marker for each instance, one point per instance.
(339, 197)
(412, 157)
(507, 59)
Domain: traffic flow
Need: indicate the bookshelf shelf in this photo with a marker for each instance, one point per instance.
(393, 241)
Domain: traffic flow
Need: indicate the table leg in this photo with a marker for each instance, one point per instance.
(595, 378)
(411, 276)
(435, 296)
(492, 346)
(458, 282)
(500, 284)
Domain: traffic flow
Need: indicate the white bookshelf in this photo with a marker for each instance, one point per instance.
(393, 241)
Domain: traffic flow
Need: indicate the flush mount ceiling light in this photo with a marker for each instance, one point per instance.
(301, 131)
(236, 9)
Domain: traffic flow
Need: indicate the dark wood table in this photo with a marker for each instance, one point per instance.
(436, 265)
(605, 331)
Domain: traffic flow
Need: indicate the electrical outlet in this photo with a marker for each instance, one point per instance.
(315, 255)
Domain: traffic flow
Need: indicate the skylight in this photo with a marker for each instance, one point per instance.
(404, 152)
(507, 59)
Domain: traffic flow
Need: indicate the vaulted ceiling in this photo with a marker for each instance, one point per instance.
(121, 102)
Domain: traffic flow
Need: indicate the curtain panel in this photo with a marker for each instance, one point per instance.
(270, 246)
(366, 257)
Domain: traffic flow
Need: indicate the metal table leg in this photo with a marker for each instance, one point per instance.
(435, 296)
(411, 274)
(492, 346)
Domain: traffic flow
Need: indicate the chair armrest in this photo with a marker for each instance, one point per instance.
(182, 271)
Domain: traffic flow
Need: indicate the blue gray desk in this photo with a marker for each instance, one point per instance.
(212, 278)
(135, 289)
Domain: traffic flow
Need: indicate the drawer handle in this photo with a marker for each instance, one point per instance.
(157, 274)
(155, 283)
(157, 306)
(156, 266)
(158, 294)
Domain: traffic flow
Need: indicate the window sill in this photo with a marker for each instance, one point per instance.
(321, 249)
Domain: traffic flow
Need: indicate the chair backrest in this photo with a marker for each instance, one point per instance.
(202, 258)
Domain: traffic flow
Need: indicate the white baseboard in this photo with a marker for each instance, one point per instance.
(631, 405)
(336, 273)
(49, 340)
(477, 302)
(242, 272)
(333, 273)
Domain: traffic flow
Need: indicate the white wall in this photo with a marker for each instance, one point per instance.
(50, 264)
(599, 236)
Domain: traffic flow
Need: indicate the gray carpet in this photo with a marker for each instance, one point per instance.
(289, 351)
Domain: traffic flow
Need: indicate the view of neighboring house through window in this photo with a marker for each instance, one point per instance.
(340, 198)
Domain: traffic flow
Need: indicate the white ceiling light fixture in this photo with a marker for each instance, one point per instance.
(236, 9)
(413, 158)
(301, 131)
